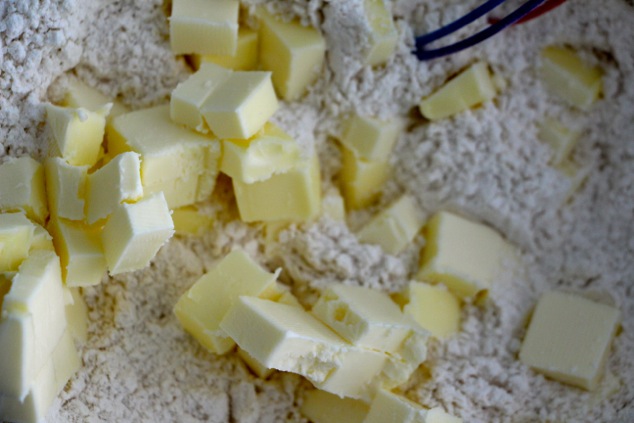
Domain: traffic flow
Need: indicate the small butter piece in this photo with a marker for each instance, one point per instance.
(369, 138)
(390, 407)
(81, 95)
(77, 316)
(293, 195)
(463, 255)
(65, 188)
(135, 232)
(257, 368)
(22, 188)
(569, 338)
(395, 227)
(114, 183)
(561, 139)
(244, 59)
(201, 309)
(16, 235)
(294, 53)
(191, 221)
(78, 132)
(383, 36)
(362, 180)
(268, 152)
(282, 294)
(568, 77)
(470, 88)
(204, 27)
(5, 285)
(333, 206)
(434, 308)
(241, 105)
(402, 363)
(322, 407)
(41, 240)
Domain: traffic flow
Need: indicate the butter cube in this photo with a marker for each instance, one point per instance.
(323, 407)
(383, 36)
(268, 152)
(363, 316)
(189, 96)
(569, 338)
(282, 294)
(81, 95)
(463, 255)
(78, 132)
(434, 308)
(77, 316)
(22, 188)
(201, 309)
(390, 407)
(395, 227)
(256, 367)
(204, 27)
(191, 221)
(568, 77)
(362, 180)
(293, 195)
(114, 183)
(82, 259)
(561, 139)
(135, 232)
(369, 138)
(402, 363)
(333, 206)
(470, 88)
(244, 59)
(5, 285)
(294, 53)
(241, 105)
(16, 235)
(180, 162)
(65, 188)
(41, 240)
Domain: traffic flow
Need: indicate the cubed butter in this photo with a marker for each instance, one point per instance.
(402, 362)
(333, 206)
(256, 367)
(282, 294)
(268, 152)
(569, 338)
(77, 316)
(463, 255)
(244, 59)
(370, 138)
(241, 105)
(16, 235)
(383, 35)
(395, 227)
(294, 53)
(434, 308)
(191, 221)
(65, 188)
(293, 195)
(362, 180)
(561, 139)
(323, 407)
(80, 94)
(570, 78)
(135, 232)
(116, 182)
(201, 309)
(470, 88)
(390, 407)
(77, 132)
(41, 240)
(204, 27)
(22, 188)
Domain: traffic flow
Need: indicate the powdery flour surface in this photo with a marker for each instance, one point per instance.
(488, 164)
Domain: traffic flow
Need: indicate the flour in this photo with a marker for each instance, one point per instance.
(139, 365)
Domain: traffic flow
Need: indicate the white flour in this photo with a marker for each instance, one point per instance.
(139, 365)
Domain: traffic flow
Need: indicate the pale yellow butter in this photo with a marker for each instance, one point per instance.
(41, 240)
(77, 315)
(135, 232)
(204, 27)
(390, 407)
(362, 180)
(16, 235)
(282, 294)
(256, 367)
(404, 361)
(22, 188)
(395, 227)
(81, 95)
(244, 59)
(294, 53)
(383, 35)
(568, 77)
(5, 284)
(333, 206)
(569, 338)
(434, 308)
(370, 138)
(201, 309)
(65, 188)
(471, 87)
(323, 407)
(191, 221)
(561, 139)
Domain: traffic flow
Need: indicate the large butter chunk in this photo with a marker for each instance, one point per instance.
(180, 162)
(79, 248)
(65, 188)
(561, 139)
(362, 180)
(16, 235)
(22, 188)
(244, 59)
(463, 255)
(118, 181)
(383, 36)
(81, 95)
(241, 105)
(470, 88)
(434, 308)
(189, 96)
(78, 132)
(293, 195)
(323, 407)
(294, 53)
(204, 27)
(569, 338)
(395, 227)
(371, 138)
(255, 366)
(390, 407)
(363, 316)
(201, 309)
(268, 152)
(568, 77)
(191, 221)
(135, 232)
